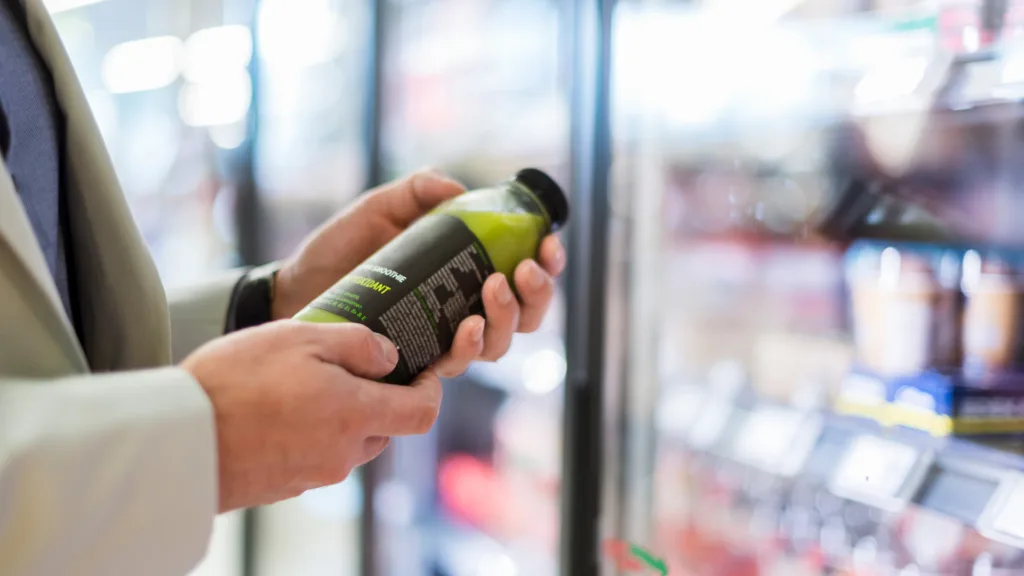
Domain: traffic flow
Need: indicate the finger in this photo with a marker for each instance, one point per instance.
(467, 346)
(372, 447)
(536, 288)
(403, 201)
(502, 317)
(355, 348)
(403, 410)
(552, 255)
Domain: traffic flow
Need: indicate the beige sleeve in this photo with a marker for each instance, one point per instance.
(199, 313)
(106, 474)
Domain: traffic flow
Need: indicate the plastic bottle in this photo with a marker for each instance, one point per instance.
(993, 316)
(903, 315)
(421, 285)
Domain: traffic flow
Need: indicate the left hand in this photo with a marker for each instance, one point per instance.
(372, 221)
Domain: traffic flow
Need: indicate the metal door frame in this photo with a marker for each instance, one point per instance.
(584, 430)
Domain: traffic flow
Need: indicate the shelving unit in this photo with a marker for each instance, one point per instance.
(893, 471)
(736, 450)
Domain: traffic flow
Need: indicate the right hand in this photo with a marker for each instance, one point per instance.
(297, 407)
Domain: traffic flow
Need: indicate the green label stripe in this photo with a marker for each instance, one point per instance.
(630, 557)
(649, 559)
(922, 23)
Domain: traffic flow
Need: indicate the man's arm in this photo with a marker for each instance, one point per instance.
(200, 313)
(235, 300)
(106, 474)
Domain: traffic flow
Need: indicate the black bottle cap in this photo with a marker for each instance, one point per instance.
(548, 192)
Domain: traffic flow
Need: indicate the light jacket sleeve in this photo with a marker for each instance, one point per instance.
(199, 313)
(106, 474)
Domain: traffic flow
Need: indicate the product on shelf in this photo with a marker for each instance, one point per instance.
(992, 315)
(938, 333)
(942, 404)
(905, 311)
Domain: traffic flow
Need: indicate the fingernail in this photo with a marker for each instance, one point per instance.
(535, 276)
(387, 350)
(478, 331)
(504, 292)
(559, 258)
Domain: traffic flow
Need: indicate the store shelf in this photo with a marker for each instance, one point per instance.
(887, 469)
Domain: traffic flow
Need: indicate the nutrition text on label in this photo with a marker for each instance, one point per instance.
(423, 323)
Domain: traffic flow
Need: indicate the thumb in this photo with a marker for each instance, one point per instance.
(372, 447)
(405, 200)
(355, 348)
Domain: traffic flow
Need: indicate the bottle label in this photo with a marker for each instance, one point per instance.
(416, 290)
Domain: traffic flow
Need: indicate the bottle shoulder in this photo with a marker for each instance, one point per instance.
(479, 200)
(495, 200)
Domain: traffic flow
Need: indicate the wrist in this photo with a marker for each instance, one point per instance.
(281, 306)
(291, 291)
(253, 298)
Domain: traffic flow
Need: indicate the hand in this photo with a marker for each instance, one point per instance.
(297, 407)
(372, 221)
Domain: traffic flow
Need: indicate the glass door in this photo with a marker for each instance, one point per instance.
(309, 162)
(817, 200)
(475, 89)
(310, 151)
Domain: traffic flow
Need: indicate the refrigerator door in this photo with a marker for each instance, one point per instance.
(310, 153)
(473, 88)
(815, 203)
(309, 159)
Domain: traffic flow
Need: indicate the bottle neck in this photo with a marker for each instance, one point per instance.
(528, 196)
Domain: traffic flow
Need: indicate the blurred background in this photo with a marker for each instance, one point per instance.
(791, 337)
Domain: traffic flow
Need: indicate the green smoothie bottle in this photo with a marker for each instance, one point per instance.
(421, 285)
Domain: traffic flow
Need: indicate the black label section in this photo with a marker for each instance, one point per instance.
(416, 290)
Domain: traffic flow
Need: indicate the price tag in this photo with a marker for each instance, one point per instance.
(979, 80)
(1010, 517)
(875, 471)
(799, 452)
(767, 435)
(710, 424)
(678, 409)
(1003, 519)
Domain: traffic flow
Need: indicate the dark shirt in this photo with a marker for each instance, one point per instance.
(32, 141)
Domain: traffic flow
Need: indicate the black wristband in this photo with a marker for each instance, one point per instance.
(252, 298)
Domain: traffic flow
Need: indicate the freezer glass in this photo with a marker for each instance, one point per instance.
(310, 156)
(475, 89)
(817, 288)
(309, 163)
